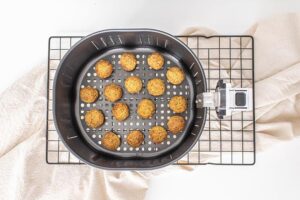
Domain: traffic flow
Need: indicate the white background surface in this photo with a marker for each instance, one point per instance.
(26, 26)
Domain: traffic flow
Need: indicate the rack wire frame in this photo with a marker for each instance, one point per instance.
(230, 141)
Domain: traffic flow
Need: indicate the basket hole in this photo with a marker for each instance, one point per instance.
(149, 148)
(168, 142)
(82, 105)
(99, 142)
(168, 62)
(88, 74)
(93, 136)
(174, 136)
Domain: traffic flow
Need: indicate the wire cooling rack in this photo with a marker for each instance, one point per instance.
(230, 141)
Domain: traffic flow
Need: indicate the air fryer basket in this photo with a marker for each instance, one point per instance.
(76, 70)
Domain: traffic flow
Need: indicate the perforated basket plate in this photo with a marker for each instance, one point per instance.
(134, 122)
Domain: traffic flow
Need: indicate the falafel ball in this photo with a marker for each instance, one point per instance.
(135, 138)
(112, 92)
(146, 108)
(128, 61)
(94, 118)
(110, 141)
(175, 75)
(176, 124)
(178, 104)
(156, 87)
(120, 111)
(133, 84)
(155, 61)
(158, 134)
(88, 94)
(104, 69)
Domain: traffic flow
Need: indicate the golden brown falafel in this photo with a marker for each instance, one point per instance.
(113, 92)
(120, 111)
(176, 124)
(156, 87)
(146, 108)
(88, 94)
(135, 138)
(128, 61)
(104, 69)
(110, 141)
(178, 104)
(133, 84)
(155, 61)
(94, 118)
(175, 75)
(158, 134)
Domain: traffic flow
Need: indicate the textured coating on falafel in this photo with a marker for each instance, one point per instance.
(175, 75)
(156, 87)
(88, 94)
(176, 124)
(155, 61)
(158, 134)
(113, 92)
(133, 84)
(94, 118)
(178, 104)
(135, 138)
(128, 61)
(104, 69)
(110, 141)
(146, 108)
(120, 111)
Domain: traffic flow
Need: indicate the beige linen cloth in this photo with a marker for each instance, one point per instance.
(24, 173)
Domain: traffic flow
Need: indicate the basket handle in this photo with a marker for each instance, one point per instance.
(226, 99)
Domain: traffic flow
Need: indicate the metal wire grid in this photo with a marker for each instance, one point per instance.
(230, 141)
